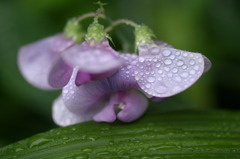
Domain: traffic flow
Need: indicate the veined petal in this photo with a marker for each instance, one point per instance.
(60, 74)
(169, 72)
(63, 117)
(135, 105)
(37, 59)
(89, 97)
(124, 79)
(92, 59)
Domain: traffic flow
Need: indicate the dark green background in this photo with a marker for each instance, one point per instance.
(211, 27)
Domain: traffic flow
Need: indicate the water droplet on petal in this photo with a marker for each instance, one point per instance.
(185, 54)
(141, 59)
(184, 67)
(172, 57)
(160, 71)
(192, 62)
(151, 79)
(184, 74)
(177, 79)
(175, 70)
(155, 50)
(166, 52)
(168, 61)
(192, 72)
(180, 63)
(148, 85)
(167, 69)
(160, 88)
(158, 65)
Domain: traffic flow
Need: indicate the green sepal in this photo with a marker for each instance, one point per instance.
(172, 135)
(74, 31)
(96, 33)
(143, 34)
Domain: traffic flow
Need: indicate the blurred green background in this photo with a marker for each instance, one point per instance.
(211, 27)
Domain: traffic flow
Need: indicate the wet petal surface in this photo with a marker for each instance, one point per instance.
(168, 71)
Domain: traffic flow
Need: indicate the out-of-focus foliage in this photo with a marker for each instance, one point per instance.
(207, 26)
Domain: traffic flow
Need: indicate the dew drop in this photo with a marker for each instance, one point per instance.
(155, 60)
(180, 63)
(166, 52)
(167, 69)
(141, 59)
(175, 70)
(160, 88)
(155, 50)
(160, 71)
(184, 67)
(185, 54)
(172, 57)
(184, 74)
(158, 65)
(148, 85)
(177, 79)
(192, 72)
(196, 68)
(192, 62)
(168, 61)
(135, 72)
(151, 79)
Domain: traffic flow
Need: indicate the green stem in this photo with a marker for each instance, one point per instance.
(88, 15)
(121, 21)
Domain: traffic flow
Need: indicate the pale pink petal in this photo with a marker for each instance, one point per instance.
(135, 105)
(107, 114)
(169, 72)
(37, 59)
(63, 117)
(91, 59)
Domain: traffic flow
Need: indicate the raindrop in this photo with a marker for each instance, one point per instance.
(196, 67)
(155, 50)
(39, 142)
(172, 57)
(160, 88)
(184, 67)
(185, 54)
(148, 85)
(166, 52)
(151, 79)
(167, 69)
(177, 79)
(180, 63)
(192, 62)
(141, 59)
(184, 74)
(175, 70)
(158, 65)
(160, 71)
(168, 61)
(192, 72)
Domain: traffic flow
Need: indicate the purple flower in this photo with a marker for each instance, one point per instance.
(102, 85)
(49, 63)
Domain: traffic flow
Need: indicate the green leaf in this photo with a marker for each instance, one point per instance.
(172, 135)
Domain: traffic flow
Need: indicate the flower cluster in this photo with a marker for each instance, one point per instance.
(101, 84)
